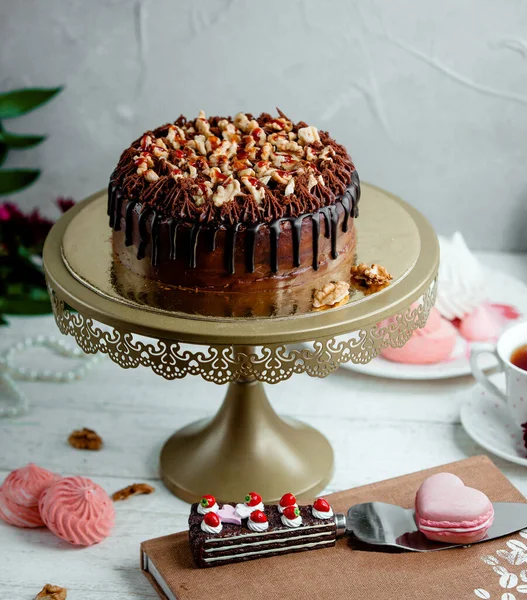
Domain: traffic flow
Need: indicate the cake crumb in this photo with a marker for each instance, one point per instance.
(373, 278)
(331, 295)
(52, 592)
(132, 490)
(85, 439)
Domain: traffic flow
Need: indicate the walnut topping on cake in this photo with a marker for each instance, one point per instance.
(240, 169)
(366, 276)
(331, 294)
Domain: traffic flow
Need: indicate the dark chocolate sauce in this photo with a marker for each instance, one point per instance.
(129, 223)
(348, 201)
(143, 233)
(193, 244)
(155, 239)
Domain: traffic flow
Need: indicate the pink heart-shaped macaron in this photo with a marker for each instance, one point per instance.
(444, 497)
(447, 510)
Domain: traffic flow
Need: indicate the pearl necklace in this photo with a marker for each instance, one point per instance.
(9, 372)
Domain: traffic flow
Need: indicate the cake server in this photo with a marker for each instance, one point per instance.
(381, 524)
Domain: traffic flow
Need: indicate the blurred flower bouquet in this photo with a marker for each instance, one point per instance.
(22, 283)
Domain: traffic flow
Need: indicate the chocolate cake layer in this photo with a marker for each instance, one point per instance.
(237, 543)
(193, 255)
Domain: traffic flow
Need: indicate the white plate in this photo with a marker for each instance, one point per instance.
(487, 421)
(505, 290)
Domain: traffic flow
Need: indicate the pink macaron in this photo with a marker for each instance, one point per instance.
(434, 343)
(448, 511)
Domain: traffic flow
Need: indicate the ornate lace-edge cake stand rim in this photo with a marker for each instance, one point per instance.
(94, 303)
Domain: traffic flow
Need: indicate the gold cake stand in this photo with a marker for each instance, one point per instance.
(246, 445)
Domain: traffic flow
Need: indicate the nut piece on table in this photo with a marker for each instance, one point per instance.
(132, 490)
(85, 439)
(332, 294)
(52, 592)
(375, 277)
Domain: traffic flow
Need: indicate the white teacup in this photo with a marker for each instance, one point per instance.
(515, 395)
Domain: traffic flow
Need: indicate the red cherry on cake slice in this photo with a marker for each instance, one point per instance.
(287, 500)
(291, 512)
(258, 516)
(253, 499)
(207, 501)
(321, 505)
(212, 519)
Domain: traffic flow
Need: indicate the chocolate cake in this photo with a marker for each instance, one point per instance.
(237, 543)
(227, 203)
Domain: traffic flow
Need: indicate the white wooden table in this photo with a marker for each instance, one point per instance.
(378, 428)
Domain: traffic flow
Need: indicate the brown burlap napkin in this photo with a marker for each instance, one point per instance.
(490, 570)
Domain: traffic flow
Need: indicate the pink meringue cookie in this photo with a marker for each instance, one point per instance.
(17, 515)
(434, 343)
(24, 486)
(77, 510)
(481, 325)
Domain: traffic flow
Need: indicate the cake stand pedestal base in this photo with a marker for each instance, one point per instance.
(246, 447)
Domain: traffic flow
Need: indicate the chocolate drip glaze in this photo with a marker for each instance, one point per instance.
(212, 238)
(348, 201)
(172, 232)
(315, 220)
(231, 247)
(193, 241)
(128, 222)
(155, 239)
(143, 233)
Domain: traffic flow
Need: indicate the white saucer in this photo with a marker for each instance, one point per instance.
(487, 421)
(505, 290)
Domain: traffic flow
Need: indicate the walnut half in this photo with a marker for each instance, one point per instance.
(367, 276)
(132, 490)
(331, 294)
(52, 592)
(85, 439)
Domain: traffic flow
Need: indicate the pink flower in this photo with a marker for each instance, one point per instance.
(65, 203)
(9, 211)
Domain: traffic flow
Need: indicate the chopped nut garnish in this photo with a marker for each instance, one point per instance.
(332, 293)
(85, 439)
(365, 276)
(196, 149)
(52, 592)
(132, 490)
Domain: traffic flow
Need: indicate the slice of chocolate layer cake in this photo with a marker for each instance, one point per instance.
(225, 537)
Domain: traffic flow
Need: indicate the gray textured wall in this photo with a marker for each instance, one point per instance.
(430, 97)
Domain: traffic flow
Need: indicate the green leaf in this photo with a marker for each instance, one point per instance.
(3, 153)
(24, 306)
(14, 180)
(20, 142)
(2, 320)
(20, 102)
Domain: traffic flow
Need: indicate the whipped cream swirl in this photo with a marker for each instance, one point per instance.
(203, 511)
(259, 527)
(296, 522)
(282, 508)
(244, 511)
(322, 515)
(209, 529)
